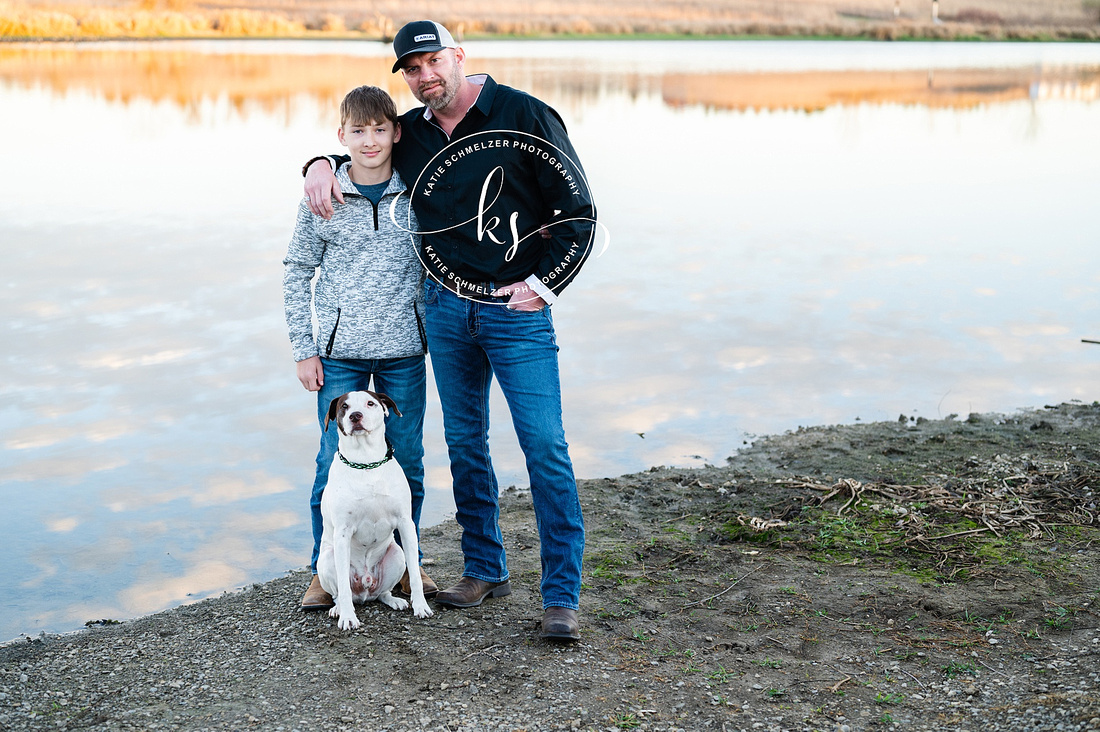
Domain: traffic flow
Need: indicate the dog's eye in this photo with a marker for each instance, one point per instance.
(370, 404)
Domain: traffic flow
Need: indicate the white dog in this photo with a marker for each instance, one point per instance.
(366, 498)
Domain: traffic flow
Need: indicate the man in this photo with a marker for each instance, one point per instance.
(507, 221)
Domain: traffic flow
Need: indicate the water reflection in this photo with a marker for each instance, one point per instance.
(265, 77)
(923, 243)
(815, 91)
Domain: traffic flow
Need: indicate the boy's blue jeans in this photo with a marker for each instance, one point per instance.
(403, 380)
(469, 343)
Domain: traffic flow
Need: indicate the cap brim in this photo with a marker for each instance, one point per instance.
(421, 49)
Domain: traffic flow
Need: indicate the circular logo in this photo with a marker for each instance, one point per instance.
(505, 217)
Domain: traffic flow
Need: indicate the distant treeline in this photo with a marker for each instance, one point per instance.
(875, 19)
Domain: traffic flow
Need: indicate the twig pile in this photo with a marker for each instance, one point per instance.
(1005, 495)
(1009, 493)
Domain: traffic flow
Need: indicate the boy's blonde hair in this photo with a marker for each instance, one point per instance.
(365, 105)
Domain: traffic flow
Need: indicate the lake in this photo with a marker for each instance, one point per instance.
(802, 233)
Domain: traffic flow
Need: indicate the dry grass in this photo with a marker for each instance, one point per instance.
(21, 21)
(994, 19)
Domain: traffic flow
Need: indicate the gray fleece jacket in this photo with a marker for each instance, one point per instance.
(367, 301)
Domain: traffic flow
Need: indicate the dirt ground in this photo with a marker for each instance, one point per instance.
(916, 575)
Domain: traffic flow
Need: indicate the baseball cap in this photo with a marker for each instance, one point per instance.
(420, 36)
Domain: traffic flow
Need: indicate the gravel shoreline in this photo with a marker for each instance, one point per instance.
(683, 627)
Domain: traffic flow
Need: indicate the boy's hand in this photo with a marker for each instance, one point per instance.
(320, 188)
(523, 298)
(311, 373)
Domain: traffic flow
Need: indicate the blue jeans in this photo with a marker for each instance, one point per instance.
(403, 380)
(470, 342)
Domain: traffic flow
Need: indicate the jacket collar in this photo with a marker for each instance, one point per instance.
(484, 101)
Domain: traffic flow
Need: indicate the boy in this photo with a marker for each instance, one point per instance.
(367, 300)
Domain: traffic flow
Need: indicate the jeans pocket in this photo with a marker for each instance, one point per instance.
(543, 313)
(431, 292)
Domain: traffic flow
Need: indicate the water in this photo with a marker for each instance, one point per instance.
(802, 234)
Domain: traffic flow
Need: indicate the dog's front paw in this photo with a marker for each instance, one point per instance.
(346, 617)
(394, 603)
(421, 609)
(349, 622)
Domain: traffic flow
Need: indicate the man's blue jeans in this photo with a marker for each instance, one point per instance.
(401, 379)
(470, 342)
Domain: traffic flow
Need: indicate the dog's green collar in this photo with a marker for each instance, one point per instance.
(368, 466)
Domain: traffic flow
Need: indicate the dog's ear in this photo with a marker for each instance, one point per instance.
(333, 408)
(387, 403)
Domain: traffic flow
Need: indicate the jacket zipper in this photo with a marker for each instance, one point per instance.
(374, 208)
(332, 337)
(420, 327)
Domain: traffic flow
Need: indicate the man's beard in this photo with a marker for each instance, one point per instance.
(448, 91)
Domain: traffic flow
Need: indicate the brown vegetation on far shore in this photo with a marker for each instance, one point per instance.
(378, 19)
(270, 80)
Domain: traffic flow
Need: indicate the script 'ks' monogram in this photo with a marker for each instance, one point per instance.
(487, 227)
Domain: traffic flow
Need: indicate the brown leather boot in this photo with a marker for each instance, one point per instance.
(316, 598)
(469, 592)
(405, 588)
(560, 624)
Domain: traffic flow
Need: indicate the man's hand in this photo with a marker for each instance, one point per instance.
(522, 297)
(321, 187)
(311, 373)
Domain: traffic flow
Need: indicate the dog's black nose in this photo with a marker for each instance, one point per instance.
(355, 417)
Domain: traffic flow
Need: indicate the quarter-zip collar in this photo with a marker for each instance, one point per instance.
(397, 183)
(396, 187)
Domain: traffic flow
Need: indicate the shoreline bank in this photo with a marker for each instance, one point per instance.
(826, 577)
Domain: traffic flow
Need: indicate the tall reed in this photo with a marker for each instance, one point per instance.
(378, 19)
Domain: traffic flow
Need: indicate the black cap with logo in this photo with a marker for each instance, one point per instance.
(420, 36)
